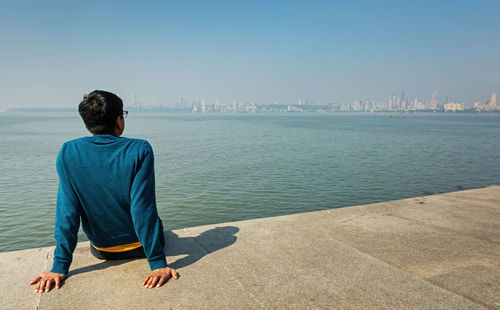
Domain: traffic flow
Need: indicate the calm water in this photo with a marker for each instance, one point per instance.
(219, 168)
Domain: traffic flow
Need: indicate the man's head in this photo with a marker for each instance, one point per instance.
(102, 112)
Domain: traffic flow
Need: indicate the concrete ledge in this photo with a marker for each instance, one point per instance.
(433, 252)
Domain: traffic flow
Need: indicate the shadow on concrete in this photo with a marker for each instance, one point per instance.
(196, 247)
(103, 265)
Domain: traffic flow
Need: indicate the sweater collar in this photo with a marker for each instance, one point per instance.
(103, 139)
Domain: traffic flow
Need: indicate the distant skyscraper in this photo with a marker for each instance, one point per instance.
(403, 103)
(203, 105)
(434, 102)
(401, 100)
(494, 99)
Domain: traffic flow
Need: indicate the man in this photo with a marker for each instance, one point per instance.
(108, 182)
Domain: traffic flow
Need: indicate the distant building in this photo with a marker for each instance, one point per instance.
(392, 103)
(434, 102)
(203, 106)
(453, 107)
(356, 106)
(403, 103)
(493, 100)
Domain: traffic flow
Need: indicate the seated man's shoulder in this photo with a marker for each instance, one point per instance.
(140, 143)
(139, 146)
(74, 142)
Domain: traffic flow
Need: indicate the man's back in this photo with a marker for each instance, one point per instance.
(104, 173)
(108, 182)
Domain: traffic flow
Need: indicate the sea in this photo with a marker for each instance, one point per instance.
(215, 168)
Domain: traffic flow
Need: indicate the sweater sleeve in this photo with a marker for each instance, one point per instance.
(67, 220)
(143, 210)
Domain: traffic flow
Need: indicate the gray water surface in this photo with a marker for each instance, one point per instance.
(220, 168)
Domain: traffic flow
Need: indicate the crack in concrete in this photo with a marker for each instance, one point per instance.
(44, 268)
(352, 219)
(201, 246)
(245, 289)
(441, 228)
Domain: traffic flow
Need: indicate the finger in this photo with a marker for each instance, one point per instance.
(42, 286)
(156, 281)
(145, 281)
(35, 280)
(161, 281)
(148, 285)
(37, 287)
(153, 283)
(58, 283)
(175, 274)
(49, 284)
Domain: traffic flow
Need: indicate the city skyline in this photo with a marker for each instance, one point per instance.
(53, 52)
(393, 103)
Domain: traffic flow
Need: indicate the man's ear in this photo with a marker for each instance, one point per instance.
(119, 124)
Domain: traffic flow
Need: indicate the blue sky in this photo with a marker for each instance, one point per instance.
(55, 51)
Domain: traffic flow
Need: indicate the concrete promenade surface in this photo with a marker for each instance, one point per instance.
(432, 252)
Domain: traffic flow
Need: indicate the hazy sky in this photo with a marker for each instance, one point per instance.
(52, 52)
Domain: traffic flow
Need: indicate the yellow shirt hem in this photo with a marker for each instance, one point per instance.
(120, 248)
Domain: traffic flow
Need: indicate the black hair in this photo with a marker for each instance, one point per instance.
(99, 111)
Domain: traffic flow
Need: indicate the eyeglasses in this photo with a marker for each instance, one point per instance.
(124, 114)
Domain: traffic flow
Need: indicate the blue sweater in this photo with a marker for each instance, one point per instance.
(108, 182)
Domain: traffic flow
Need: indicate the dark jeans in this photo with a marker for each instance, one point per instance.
(135, 253)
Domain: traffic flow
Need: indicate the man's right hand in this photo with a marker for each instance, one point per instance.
(45, 281)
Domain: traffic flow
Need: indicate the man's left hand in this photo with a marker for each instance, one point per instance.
(160, 276)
